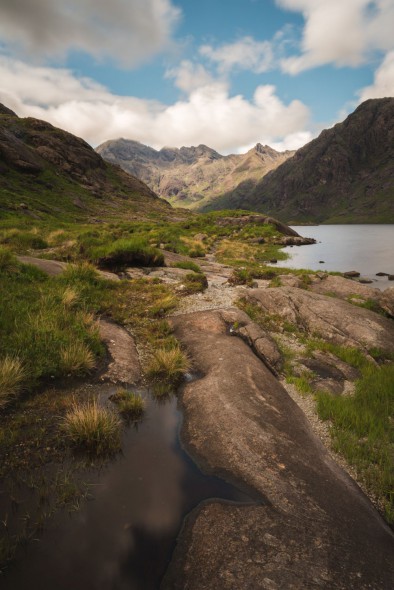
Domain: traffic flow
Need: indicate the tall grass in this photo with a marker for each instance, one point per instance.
(12, 375)
(363, 430)
(131, 405)
(92, 428)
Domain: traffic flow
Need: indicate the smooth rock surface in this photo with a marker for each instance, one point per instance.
(311, 526)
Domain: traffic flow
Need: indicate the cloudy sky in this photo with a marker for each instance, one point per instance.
(226, 73)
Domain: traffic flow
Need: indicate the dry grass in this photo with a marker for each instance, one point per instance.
(69, 297)
(76, 358)
(12, 375)
(92, 428)
(169, 365)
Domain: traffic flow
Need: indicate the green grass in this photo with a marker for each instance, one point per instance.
(195, 283)
(130, 405)
(127, 252)
(188, 265)
(92, 428)
(362, 430)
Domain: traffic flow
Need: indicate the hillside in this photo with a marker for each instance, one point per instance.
(343, 176)
(48, 172)
(192, 177)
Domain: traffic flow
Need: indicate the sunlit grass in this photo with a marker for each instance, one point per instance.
(12, 375)
(92, 428)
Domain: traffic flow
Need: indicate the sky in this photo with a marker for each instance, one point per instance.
(224, 73)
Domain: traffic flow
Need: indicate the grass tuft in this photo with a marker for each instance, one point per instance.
(130, 405)
(92, 428)
(12, 375)
(169, 365)
(76, 358)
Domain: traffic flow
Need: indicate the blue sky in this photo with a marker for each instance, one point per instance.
(182, 72)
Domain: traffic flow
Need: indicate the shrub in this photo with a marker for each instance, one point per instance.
(76, 358)
(12, 375)
(131, 405)
(169, 365)
(92, 428)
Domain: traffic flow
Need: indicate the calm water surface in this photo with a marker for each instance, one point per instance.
(124, 537)
(366, 248)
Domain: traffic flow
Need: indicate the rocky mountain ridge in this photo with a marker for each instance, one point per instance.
(47, 171)
(191, 176)
(343, 176)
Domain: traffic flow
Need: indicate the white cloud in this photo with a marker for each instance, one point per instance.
(383, 81)
(189, 76)
(245, 54)
(342, 32)
(209, 114)
(129, 31)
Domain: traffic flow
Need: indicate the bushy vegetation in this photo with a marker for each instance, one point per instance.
(92, 428)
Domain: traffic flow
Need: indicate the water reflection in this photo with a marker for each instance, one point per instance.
(125, 536)
(365, 248)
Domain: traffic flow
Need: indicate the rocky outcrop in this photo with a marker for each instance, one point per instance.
(309, 525)
(192, 177)
(337, 321)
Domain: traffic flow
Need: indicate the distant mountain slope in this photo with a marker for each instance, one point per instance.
(345, 175)
(191, 177)
(46, 171)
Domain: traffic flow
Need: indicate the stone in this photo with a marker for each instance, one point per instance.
(351, 274)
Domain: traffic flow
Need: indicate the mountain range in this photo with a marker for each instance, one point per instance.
(192, 177)
(343, 176)
(45, 171)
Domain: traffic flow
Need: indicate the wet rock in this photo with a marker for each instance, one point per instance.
(365, 281)
(382, 274)
(351, 274)
(391, 277)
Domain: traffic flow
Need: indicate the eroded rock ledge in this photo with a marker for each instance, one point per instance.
(311, 527)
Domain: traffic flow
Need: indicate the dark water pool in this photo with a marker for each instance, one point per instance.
(123, 538)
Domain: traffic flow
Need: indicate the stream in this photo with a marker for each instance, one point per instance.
(123, 538)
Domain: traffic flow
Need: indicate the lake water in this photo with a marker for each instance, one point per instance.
(124, 537)
(366, 248)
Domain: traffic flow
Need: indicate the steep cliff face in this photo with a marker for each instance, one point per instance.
(345, 175)
(45, 170)
(192, 177)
